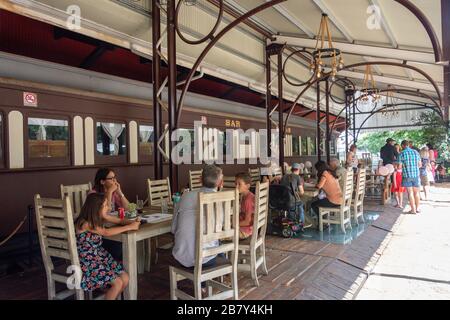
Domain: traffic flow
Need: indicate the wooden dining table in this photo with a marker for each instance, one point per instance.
(129, 242)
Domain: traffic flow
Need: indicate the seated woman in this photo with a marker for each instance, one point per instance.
(100, 270)
(247, 205)
(106, 183)
(329, 183)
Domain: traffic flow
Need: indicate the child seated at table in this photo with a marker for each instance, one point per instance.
(397, 188)
(100, 270)
(247, 205)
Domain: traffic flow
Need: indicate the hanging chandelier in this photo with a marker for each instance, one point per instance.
(325, 56)
(390, 110)
(369, 90)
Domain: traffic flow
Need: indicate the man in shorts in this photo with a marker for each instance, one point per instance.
(410, 159)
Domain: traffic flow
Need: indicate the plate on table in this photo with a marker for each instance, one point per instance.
(156, 217)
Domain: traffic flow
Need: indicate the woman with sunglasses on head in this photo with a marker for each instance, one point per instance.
(106, 182)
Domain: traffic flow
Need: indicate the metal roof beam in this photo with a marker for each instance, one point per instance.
(392, 81)
(288, 16)
(384, 24)
(364, 50)
(339, 25)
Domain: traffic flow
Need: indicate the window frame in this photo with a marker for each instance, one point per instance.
(112, 160)
(142, 158)
(299, 146)
(47, 162)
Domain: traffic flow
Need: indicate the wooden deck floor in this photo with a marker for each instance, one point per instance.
(298, 269)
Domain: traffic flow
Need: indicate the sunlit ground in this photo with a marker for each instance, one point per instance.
(416, 263)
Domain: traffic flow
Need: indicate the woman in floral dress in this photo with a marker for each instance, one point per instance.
(100, 270)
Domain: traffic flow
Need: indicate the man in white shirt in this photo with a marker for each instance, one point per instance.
(336, 167)
(185, 219)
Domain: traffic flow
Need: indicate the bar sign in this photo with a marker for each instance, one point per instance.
(30, 99)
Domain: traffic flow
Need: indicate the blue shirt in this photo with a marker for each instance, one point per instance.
(410, 160)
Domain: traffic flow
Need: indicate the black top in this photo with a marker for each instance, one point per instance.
(389, 154)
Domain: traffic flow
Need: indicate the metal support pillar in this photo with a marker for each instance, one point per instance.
(445, 5)
(276, 50)
(347, 127)
(172, 90)
(327, 135)
(319, 133)
(268, 103)
(281, 109)
(156, 77)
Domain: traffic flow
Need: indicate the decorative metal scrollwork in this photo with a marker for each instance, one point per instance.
(210, 35)
(284, 69)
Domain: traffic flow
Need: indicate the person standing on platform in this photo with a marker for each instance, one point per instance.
(410, 160)
(388, 152)
(352, 159)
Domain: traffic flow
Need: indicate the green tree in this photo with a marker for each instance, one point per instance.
(434, 131)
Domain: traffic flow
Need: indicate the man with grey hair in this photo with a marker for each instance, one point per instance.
(335, 165)
(185, 219)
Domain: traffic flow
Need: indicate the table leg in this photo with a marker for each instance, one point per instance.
(130, 263)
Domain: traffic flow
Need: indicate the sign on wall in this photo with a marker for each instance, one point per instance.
(30, 99)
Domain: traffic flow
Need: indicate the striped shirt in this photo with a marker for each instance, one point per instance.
(410, 160)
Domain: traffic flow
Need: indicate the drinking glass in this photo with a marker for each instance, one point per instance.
(164, 206)
(140, 205)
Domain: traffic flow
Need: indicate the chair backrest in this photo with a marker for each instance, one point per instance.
(195, 179)
(56, 231)
(159, 190)
(347, 193)
(229, 182)
(255, 175)
(277, 172)
(77, 195)
(218, 220)
(360, 189)
(261, 211)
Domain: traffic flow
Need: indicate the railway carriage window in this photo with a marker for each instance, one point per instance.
(191, 135)
(111, 139)
(146, 140)
(312, 146)
(333, 146)
(295, 146)
(48, 139)
(304, 142)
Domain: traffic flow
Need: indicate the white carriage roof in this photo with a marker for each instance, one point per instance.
(365, 30)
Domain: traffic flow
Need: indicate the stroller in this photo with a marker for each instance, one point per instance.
(283, 219)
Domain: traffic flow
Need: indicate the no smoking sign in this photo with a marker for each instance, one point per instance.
(30, 99)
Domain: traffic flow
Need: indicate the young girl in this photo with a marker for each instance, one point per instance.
(100, 270)
(397, 185)
(247, 205)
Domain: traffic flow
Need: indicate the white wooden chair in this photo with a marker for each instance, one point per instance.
(218, 220)
(359, 194)
(277, 172)
(255, 175)
(229, 183)
(340, 215)
(56, 232)
(195, 179)
(77, 195)
(159, 190)
(249, 260)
